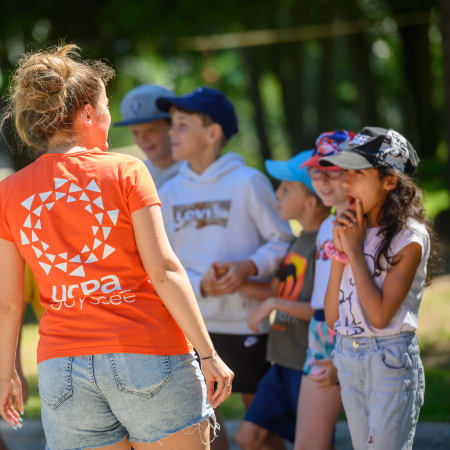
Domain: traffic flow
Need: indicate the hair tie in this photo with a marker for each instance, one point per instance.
(333, 253)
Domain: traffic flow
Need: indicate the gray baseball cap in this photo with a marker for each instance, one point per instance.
(139, 105)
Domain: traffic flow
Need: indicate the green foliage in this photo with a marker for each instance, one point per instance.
(368, 80)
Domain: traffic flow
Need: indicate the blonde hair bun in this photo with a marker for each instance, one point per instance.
(47, 89)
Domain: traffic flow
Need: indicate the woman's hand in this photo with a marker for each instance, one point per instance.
(259, 313)
(216, 371)
(11, 391)
(351, 229)
(24, 384)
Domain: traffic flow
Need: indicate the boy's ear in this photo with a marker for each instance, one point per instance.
(215, 132)
(310, 202)
(390, 182)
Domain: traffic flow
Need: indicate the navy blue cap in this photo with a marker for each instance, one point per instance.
(207, 101)
(139, 105)
(290, 170)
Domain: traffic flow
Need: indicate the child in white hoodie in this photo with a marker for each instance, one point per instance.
(222, 221)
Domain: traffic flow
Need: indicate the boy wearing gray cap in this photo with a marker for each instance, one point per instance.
(150, 127)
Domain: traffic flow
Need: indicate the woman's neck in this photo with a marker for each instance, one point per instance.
(64, 143)
(65, 149)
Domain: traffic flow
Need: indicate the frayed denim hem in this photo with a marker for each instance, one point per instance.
(215, 428)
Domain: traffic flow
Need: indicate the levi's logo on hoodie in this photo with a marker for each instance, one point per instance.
(202, 214)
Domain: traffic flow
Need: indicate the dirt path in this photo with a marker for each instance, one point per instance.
(429, 436)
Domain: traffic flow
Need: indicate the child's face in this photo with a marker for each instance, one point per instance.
(367, 186)
(188, 135)
(328, 185)
(153, 138)
(291, 200)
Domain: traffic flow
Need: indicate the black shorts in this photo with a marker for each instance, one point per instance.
(245, 355)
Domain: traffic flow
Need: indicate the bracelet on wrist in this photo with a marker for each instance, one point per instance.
(333, 253)
(212, 356)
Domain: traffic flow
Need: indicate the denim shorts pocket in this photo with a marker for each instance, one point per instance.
(138, 374)
(55, 380)
(396, 357)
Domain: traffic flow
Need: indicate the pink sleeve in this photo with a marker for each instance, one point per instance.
(138, 185)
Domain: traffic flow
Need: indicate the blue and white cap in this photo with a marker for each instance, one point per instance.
(139, 105)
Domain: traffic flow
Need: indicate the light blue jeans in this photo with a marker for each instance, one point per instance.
(383, 385)
(98, 400)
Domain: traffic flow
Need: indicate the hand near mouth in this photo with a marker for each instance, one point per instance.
(351, 202)
(351, 228)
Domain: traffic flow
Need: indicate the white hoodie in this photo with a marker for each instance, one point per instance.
(227, 213)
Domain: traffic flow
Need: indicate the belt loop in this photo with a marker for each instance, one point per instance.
(375, 340)
(338, 344)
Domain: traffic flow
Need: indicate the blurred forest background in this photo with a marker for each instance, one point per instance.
(293, 69)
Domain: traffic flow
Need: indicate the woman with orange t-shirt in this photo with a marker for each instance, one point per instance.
(114, 364)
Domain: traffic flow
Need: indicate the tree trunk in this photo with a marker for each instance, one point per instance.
(421, 124)
(364, 80)
(327, 93)
(445, 30)
(254, 71)
(288, 67)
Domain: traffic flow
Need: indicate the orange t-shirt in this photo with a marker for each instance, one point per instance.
(70, 217)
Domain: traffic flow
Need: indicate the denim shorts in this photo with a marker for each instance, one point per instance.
(382, 387)
(98, 400)
(321, 340)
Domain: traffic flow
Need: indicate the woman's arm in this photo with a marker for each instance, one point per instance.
(11, 306)
(170, 281)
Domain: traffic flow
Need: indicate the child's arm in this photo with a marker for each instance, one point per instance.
(274, 232)
(260, 291)
(300, 310)
(331, 302)
(380, 306)
(235, 275)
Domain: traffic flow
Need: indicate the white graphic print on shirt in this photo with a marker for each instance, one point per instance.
(68, 192)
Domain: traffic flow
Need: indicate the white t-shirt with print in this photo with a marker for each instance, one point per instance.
(352, 319)
(323, 263)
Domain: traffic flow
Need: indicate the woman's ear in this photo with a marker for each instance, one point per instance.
(390, 182)
(87, 113)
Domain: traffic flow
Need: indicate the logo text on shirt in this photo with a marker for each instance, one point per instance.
(202, 214)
